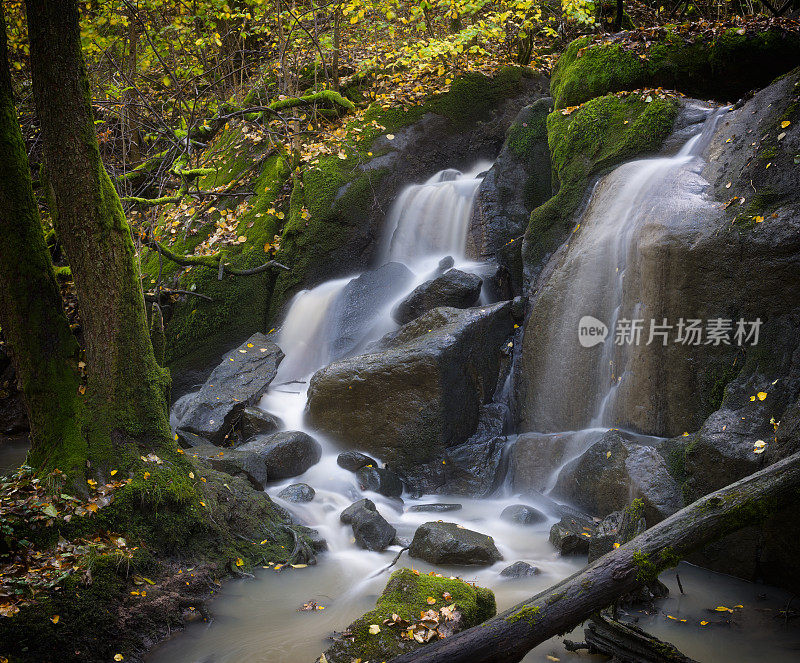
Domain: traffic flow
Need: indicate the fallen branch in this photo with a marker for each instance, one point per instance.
(625, 642)
(213, 261)
(509, 636)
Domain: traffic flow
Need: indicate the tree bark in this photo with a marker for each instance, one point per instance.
(512, 634)
(125, 386)
(44, 350)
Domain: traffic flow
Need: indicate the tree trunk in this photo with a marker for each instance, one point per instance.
(337, 20)
(31, 314)
(126, 388)
(512, 634)
(619, 16)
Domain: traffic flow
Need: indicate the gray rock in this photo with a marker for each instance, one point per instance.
(613, 471)
(519, 181)
(450, 544)
(518, 308)
(379, 480)
(572, 534)
(298, 493)
(453, 288)
(420, 389)
(523, 514)
(254, 421)
(286, 454)
(354, 460)
(606, 534)
(435, 508)
(240, 380)
(519, 570)
(360, 303)
(445, 263)
(536, 456)
(188, 440)
(237, 463)
(370, 529)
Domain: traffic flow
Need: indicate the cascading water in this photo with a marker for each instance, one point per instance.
(573, 389)
(429, 221)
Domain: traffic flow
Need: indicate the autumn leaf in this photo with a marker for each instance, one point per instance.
(55, 619)
(374, 629)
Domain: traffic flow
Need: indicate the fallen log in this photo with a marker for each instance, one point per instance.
(510, 635)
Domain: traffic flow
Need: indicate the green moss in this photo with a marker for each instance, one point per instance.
(650, 566)
(724, 68)
(527, 613)
(583, 144)
(406, 594)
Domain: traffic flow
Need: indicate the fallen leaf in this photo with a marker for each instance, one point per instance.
(785, 124)
(374, 629)
(55, 619)
(761, 395)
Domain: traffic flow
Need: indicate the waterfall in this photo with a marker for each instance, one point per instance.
(596, 276)
(432, 219)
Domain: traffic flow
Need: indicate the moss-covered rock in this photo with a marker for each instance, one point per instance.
(584, 143)
(723, 67)
(403, 600)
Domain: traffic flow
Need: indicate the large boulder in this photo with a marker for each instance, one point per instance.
(370, 529)
(572, 534)
(254, 421)
(239, 381)
(450, 544)
(404, 605)
(419, 391)
(536, 457)
(284, 455)
(453, 288)
(235, 462)
(616, 469)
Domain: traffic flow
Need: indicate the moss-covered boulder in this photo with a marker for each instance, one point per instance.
(584, 143)
(721, 64)
(405, 618)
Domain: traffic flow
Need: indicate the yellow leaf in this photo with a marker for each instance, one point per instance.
(118, 657)
(608, 454)
(722, 608)
(785, 124)
(55, 619)
(761, 395)
(431, 600)
(239, 562)
(113, 472)
(191, 475)
(147, 475)
(374, 629)
(616, 545)
(704, 623)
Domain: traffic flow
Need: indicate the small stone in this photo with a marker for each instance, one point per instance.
(522, 514)
(519, 570)
(298, 493)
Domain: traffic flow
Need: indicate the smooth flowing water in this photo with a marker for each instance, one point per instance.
(258, 621)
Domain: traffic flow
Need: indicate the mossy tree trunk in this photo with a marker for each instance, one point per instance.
(44, 350)
(509, 636)
(126, 407)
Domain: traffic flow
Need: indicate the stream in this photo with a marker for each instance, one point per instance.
(258, 621)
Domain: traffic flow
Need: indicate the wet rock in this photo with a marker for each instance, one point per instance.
(240, 380)
(450, 544)
(571, 535)
(454, 288)
(286, 454)
(445, 263)
(354, 460)
(519, 181)
(519, 570)
(370, 529)
(518, 308)
(536, 456)
(406, 596)
(254, 421)
(435, 508)
(362, 300)
(420, 389)
(188, 440)
(235, 462)
(179, 409)
(522, 514)
(298, 493)
(616, 469)
(606, 534)
(379, 480)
